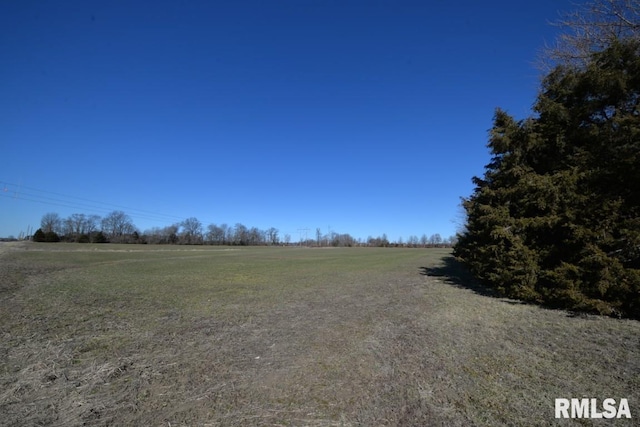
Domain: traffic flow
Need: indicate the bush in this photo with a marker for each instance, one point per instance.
(99, 237)
(51, 236)
(39, 236)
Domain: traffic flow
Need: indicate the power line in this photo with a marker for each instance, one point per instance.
(17, 192)
(128, 208)
(90, 208)
(305, 231)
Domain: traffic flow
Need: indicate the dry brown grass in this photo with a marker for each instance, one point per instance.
(159, 336)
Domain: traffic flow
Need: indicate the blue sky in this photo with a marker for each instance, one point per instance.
(368, 117)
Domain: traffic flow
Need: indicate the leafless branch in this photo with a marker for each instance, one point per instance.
(591, 28)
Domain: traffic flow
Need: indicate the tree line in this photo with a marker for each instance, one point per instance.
(556, 217)
(117, 227)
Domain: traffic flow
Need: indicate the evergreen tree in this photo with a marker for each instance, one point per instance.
(51, 236)
(556, 217)
(99, 237)
(39, 235)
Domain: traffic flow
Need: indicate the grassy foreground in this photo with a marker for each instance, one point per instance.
(206, 336)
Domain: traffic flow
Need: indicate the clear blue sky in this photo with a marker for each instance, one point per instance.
(368, 117)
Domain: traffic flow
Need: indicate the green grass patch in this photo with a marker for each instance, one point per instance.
(158, 335)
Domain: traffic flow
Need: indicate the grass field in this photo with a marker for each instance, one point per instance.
(213, 336)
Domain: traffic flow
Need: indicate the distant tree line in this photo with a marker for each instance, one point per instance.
(117, 227)
(556, 217)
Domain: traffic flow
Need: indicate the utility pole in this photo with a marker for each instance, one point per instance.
(305, 231)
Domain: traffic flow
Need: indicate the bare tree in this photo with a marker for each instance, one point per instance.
(435, 239)
(591, 28)
(255, 236)
(91, 224)
(153, 235)
(117, 226)
(343, 240)
(240, 234)
(170, 233)
(378, 241)
(81, 225)
(272, 235)
(228, 232)
(216, 234)
(191, 231)
(51, 222)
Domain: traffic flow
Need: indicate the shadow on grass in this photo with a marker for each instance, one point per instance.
(454, 273)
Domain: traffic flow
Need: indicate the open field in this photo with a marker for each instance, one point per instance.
(214, 336)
